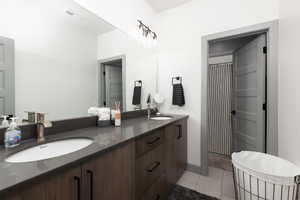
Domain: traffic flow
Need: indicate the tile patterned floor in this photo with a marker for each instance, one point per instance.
(219, 161)
(182, 193)
(219, 183)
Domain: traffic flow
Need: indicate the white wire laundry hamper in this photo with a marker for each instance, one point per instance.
(259, 176)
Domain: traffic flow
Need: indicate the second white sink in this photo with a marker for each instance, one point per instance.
(49, 150)
(161, 118)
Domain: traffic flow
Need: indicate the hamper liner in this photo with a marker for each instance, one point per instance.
(263, 176)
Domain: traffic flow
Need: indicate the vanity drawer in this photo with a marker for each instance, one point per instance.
(148, 169)
(158, 191)
(149, 142)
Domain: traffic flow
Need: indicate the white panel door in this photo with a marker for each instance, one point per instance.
(113, 82)
(249, 96)
(7, 93)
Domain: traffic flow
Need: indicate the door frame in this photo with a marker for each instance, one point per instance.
(100, 79)
(271, 30)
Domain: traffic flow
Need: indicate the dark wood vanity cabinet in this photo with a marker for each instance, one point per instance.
(108, 176)
(176, 151)
(160, 166)
(144, 169)
(64, 185)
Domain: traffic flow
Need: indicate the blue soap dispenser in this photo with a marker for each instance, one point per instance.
(12, 135)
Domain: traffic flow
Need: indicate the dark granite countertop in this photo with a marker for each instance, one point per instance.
(105, 138)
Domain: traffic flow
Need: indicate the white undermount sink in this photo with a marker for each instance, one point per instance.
(161, 118)
(49, 150)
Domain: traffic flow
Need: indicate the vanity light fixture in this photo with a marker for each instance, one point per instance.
(146, 36)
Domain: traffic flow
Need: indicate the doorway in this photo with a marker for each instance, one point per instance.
(239, 94)
(112, 82)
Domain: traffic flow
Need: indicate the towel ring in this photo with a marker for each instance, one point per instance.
(138, 83)
(177, 78)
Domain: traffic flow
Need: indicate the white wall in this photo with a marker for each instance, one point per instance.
(121, 14)
(55, 63)
(140, 62)
(179, 51)
(289, 80)
(180, 31)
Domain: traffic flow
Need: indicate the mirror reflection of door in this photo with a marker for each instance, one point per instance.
(112, 83)
(7, 106)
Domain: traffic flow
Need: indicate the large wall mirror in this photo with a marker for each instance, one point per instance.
(61, 59)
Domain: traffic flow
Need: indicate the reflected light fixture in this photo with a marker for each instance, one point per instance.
(69, 12)
(146, 36)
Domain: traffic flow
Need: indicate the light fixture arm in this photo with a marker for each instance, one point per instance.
(146, 30)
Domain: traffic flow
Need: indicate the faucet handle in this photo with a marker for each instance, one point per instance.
(41, 119)
(149, 99)
(47, 124)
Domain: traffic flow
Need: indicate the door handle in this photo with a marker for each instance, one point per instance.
(77, 182)
(153, 141)
(153, 166)
(233, 112)
(179, 126)
(91, 175)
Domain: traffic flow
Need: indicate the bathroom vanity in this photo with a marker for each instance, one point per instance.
(140, 160)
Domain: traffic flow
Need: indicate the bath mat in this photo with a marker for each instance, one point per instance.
(182, 193)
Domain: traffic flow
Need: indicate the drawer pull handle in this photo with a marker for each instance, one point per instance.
(77, 183)
(153, 166)
(91, 174)
(180, 131)
(153, 141)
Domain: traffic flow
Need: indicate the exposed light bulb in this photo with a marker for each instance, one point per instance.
(155, 42)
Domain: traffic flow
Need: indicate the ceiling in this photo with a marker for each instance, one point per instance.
(161, 5)
(82, 18)
(85, 18)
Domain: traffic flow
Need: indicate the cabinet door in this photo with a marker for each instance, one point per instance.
(176, 151)
(110, 176)
(61, 186)
(70, 185)
(11, 196)
(181, 147)
(170, 156)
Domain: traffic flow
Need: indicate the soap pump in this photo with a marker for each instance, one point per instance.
(13, 134)
(5, 122)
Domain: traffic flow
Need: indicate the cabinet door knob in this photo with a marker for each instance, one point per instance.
(77, 182)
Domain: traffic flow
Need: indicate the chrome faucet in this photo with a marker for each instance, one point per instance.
(41, 125)
(149, 106)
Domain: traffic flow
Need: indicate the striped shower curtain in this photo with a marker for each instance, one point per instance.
(219, 108)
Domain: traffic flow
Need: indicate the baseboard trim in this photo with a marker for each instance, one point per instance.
(196, 169)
